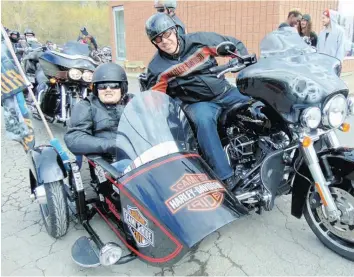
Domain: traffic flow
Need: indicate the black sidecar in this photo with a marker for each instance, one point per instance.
(161, 205)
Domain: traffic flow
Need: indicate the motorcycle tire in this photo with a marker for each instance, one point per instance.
(55, 213)
(335, 243)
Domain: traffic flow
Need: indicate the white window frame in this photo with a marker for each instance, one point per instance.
(114, 10)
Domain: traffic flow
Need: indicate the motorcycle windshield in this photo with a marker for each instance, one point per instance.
(152, 126)
(76, 48)
(72, 55)
(284, 42)
(291, 74)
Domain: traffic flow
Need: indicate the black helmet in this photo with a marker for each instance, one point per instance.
(169, 4)
(14, 40)
(83, 30)
(15, 33)
(110, 72)
(157, 24)
(29, 31)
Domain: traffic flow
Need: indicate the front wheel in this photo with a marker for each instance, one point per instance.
(339, 235)
(55, 213)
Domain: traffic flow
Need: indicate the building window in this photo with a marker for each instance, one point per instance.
(119, 30)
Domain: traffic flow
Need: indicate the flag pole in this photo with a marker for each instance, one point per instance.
(28, 83)
(53, 141)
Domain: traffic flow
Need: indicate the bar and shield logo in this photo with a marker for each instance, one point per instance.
(196, 192)
(138, 226)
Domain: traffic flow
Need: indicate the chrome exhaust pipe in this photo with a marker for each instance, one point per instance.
(246, 195)
(39, 195)
(63, 102)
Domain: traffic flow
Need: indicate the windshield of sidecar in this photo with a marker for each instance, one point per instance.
(152, 126)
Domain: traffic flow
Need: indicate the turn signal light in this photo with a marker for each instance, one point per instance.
(345, 127)
(306, 142)
(52, 80)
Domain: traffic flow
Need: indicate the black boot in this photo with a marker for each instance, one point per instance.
(231, 182)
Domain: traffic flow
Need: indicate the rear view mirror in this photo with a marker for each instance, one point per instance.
(224, 48)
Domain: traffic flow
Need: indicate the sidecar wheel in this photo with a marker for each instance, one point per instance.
(55, 213)
(337, 236)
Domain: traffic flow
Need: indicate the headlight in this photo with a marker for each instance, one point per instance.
(335, 111)
(351, 105)
(311, 117)
(75, 74)
(110, 253)
(87, 76)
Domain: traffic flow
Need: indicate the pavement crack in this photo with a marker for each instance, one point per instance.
(202, 265)
(229, 259)
(294, 240)
(164, 270)
(51, 246)
(35, 223)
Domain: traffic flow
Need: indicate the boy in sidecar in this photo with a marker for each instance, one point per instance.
(94, 120)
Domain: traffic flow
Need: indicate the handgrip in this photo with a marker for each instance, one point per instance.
(219, 68)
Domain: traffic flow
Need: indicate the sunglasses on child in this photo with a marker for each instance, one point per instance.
(106, 85)
(166, 34)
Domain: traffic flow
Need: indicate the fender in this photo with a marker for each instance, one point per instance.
(45, 165)
(341, 162)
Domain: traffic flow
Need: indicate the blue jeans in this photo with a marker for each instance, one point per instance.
(119, 165)
(205, 116)
(122, 165)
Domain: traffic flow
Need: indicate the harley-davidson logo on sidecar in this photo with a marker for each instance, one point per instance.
(138, 225)
(196, 192)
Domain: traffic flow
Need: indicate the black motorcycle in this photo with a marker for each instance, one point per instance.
(102, 55)
(63, 79)
(166, 200)
(283, 141)
(30, 60)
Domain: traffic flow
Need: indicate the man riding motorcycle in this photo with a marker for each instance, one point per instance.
(14, 38)
(94, 120)
(88, 39)
(181, 68)
(30, 37)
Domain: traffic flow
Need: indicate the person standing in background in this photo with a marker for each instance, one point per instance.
(305, 30)
(331, 40)
(294, 18)
(169, 7)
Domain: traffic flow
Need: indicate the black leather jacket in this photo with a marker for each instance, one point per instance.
(93, 127)
(187, 75)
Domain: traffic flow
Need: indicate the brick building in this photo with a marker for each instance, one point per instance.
(248, 21)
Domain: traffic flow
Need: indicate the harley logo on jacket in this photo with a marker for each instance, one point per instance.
(196, 192)
(138, 226)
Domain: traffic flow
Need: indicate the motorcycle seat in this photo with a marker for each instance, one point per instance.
(234, 108)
